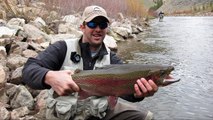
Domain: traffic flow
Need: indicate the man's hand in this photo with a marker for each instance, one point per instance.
(145, 88)
(61, 82)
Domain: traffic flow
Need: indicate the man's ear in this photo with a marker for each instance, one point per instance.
(82, 27)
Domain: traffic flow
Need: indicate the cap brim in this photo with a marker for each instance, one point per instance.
(94, 16)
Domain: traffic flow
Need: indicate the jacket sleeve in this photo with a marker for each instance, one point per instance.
(35, 69)
(116, 60)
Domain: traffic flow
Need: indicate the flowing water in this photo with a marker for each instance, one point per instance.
(187, 44)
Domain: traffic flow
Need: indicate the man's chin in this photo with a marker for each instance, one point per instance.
(96, 44)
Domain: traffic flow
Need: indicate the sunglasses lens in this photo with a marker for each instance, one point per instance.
(93, 25)
(103, 25)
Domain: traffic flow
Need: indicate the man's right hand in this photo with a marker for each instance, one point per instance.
(61, 82)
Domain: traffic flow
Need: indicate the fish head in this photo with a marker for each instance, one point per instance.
(161, 75)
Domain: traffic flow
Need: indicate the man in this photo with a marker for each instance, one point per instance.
(53, 69)
(161, 16)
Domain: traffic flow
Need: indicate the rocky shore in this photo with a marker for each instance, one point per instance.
(26, 30)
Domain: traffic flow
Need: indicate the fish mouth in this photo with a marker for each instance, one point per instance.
(169, 80)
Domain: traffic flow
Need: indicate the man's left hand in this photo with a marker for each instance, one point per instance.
(145, 88)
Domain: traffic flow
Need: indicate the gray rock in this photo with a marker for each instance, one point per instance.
(4, 113)
(16, 76)
(21, 94)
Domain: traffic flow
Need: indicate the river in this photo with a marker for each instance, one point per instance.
(187, 44)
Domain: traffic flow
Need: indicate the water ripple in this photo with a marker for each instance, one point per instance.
(186, 43)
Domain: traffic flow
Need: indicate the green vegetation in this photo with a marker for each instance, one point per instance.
(154, 6)
(148, 3)
(158, 4)
(211, 6)
(203, 8)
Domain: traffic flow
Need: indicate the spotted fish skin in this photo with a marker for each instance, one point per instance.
(119, 79)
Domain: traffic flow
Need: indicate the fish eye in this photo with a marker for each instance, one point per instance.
(162, 72)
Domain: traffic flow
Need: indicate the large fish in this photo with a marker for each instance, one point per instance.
(119, 79)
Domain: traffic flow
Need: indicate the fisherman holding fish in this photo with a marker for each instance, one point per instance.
(52, 69)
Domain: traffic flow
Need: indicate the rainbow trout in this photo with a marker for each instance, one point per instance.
(119, 79)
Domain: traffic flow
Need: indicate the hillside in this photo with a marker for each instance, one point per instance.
(148, 3)
(171, 7)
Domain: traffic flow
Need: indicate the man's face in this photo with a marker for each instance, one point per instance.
(94, 31)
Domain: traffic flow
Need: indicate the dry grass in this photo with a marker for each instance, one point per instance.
(12, 11)
(136, 8)
(184, 12)
(127, 7)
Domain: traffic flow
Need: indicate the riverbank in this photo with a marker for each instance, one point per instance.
(193, 14)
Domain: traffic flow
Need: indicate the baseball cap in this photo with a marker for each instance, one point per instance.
(93, 11)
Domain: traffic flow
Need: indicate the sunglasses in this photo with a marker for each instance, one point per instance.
(93, 25)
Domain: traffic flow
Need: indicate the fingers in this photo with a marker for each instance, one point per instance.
(139, 92)
(73, 87)
(145, 88)
(153, 85)
(62, 82)
(142, 90)
(144, 85)
(65, 90)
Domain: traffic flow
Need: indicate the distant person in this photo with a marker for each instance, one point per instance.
(161, 16)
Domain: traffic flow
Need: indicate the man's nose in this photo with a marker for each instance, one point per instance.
(98, 28)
